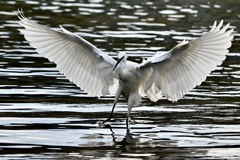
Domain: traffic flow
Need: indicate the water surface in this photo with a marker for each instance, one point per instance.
(44, 116)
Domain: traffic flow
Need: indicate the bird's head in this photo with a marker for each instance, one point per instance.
(121, 56)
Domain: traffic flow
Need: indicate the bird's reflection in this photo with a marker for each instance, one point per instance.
(127, 140)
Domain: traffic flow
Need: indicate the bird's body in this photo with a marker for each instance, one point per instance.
(128, 78)
(171, 74)
(129, 83)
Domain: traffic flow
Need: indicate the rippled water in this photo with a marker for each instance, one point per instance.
(44, 116)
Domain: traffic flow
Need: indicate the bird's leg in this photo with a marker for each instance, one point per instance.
(127, 121)
(119, 91)
(110, 116)
(130, 105)
(133, 100)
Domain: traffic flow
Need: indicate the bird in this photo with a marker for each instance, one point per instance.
(171, 74)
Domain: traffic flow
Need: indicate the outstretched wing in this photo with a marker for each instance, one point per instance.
(189, 63)
(81, 62)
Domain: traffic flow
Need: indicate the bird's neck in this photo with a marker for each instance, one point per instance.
(122, 65)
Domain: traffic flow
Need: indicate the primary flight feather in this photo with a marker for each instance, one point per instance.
(172, 74)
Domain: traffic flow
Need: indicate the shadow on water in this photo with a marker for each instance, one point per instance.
(44, 116)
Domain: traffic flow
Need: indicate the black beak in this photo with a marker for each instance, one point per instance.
(119, 60)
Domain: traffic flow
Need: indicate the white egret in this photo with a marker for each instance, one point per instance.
(172, 74)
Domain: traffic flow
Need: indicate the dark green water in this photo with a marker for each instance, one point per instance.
(44, 116)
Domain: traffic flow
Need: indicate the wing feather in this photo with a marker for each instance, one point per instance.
(189, 63)
(77, 59)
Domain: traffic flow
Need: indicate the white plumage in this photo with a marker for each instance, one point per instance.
(81, 62)
(188, 64)
(172, 74)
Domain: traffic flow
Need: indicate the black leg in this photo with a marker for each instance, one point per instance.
(127, 122)
(110, 116)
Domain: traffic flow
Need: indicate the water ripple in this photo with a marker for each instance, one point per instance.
(43, 115)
